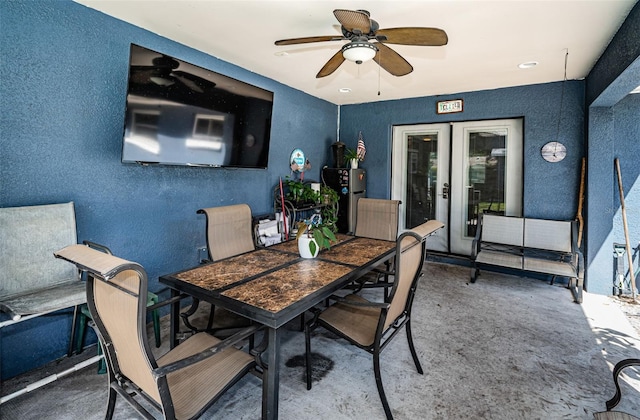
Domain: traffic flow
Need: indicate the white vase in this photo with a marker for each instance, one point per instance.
(303, 247)
(354, 163)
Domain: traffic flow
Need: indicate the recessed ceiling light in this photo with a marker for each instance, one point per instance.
(344, 90)
(281, 54)
(528, 64)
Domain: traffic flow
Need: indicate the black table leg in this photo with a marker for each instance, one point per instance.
(174, 324)
(271, 383)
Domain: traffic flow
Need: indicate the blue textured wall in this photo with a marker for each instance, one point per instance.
(61, 111)
(63, 90)
(618, 69)
(613, 132)
(550, 189)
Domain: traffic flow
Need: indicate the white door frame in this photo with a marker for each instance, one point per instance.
(399, 163)
(459, 242)
(453, 142)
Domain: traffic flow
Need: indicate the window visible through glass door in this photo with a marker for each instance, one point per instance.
(422, 179)
(485, 176)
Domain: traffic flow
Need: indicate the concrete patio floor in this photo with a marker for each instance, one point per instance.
(505, 347)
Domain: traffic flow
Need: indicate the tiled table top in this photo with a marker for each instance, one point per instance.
(221, 275)
(277, 290)
(272, 279)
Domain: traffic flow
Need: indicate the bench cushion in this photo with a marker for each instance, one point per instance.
(502, 259)
(53, 298)
(547, 266)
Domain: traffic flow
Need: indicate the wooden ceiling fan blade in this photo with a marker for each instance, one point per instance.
(331, 65)
(391, 61)
(429, 37)
(354, 20)
(309, 39)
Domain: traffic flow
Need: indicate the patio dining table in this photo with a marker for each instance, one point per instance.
(273, 286)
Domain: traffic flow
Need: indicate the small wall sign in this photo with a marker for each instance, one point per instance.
(449, 107)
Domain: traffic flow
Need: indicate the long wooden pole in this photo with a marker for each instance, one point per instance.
(579, 217)
(626, 232)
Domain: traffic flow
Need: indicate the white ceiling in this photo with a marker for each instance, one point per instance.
(487, 40)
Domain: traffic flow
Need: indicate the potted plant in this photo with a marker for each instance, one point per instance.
(351, 156)
(313, 235)
(299, 193)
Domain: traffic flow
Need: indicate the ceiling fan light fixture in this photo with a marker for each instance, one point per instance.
(359, 51)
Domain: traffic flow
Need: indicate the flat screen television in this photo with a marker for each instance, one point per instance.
(181, 114)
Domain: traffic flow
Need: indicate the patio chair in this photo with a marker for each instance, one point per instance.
(372, 325)
(84, 316)
(617, 415)
(377, 219)
(32, 282)
(228, 234)
(182, 383)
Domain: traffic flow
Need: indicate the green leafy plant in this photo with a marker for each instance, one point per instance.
(329, 198)
(322, 233)
(298, 192)
(350, 154)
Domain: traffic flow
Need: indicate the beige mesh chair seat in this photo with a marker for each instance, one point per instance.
(228, 234)
(181, 384)
(372, 325)
(377, 219)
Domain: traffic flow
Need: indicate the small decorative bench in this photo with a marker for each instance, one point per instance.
(535, 245)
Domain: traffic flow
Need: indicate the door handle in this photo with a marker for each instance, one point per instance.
(445, 190)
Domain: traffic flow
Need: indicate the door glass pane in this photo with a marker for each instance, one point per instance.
(422, 169)
(485, 175)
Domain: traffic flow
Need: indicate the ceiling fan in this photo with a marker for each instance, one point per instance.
(359, 29)
(163, 73)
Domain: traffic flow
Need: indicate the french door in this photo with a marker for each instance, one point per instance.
(452, 172)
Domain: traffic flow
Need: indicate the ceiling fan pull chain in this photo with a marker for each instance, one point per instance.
(380, 60)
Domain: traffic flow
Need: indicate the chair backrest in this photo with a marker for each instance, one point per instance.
(377, 219)
(410, 254)
(28, 237)
(506, 230)
(554, 235)
(114, 290)
(228, 230)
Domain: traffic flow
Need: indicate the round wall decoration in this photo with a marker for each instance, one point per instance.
(553, 151)
(297, 160)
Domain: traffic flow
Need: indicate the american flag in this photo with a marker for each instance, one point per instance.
(360, 150)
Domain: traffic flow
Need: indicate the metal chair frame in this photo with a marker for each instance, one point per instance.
(119, 383)
(383, 336)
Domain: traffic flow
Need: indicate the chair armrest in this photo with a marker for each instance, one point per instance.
(205, 354)
(580, 267)
(167, 302)
(616, 372)
(381, 271)
(97, 246)
(366, 304)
